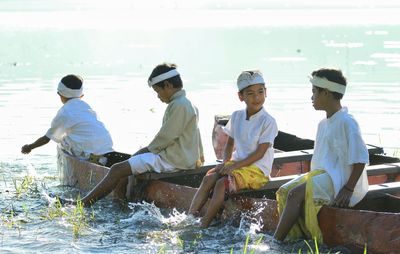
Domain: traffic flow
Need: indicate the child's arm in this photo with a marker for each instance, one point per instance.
(39, 142)
(171, 129)
(344, 195)
(228, 149)
(253, 157)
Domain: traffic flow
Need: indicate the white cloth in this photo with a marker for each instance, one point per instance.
(68, 92)
(78, 130)
(247, 79)
(162, 77)
(323, 191)
(248, 134)
(331, 86)
(149, 162)
(338, 146)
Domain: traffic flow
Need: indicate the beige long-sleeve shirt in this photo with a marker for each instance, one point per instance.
(178, 141)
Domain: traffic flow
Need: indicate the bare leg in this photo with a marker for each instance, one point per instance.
(202, 193)
(108, 183)
(120, 189)
(215, 204)
(291, 212)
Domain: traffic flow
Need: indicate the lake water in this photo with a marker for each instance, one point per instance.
(115, 45)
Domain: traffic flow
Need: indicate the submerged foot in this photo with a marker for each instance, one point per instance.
(62, 201)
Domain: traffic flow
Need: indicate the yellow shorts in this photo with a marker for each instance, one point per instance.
(249, 177)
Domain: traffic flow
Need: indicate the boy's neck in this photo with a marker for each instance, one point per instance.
(250, 114)
(332, 109)
(173, 92)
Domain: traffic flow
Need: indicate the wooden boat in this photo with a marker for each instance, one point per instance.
(375, 221)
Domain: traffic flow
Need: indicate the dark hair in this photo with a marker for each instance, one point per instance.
(163, 68)
(334, 75)
(72, 81)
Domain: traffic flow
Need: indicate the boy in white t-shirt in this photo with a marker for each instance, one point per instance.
(76, 127)
(337, 175)
(248, 154)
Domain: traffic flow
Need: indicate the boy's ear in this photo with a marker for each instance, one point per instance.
(168, 84)
(240, 95)
(327, 93)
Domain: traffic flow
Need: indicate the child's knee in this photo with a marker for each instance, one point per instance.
(220, 185)
(295, 195)
(120, 170)
(209, 179)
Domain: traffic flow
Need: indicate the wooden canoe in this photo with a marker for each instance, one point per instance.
(375, 221)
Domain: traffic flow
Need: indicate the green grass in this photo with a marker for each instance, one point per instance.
(28, 183)
(177, 241)
(246, 245)
(76, 216)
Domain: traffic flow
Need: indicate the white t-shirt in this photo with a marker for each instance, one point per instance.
(248, 134)
(338, 146)
(77, 129)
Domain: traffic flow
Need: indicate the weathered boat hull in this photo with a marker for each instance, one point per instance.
(379, 231)
(78, 173)
(379, 228)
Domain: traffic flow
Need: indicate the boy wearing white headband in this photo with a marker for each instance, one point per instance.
(76, 126)
(176, 146)
(248, 153)
(337, 175)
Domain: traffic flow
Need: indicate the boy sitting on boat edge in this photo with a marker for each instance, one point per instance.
(337, 175)
(252, 132)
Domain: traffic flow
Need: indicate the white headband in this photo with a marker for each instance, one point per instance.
(68, 92)
(324, 83)
(162, 77)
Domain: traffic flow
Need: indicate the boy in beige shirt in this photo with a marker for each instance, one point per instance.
(176, 146)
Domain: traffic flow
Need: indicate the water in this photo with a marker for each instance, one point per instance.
(114, 46)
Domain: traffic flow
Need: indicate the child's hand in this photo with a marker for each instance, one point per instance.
(343, 197)
(219, 167)
(26, 149)
(226, 170)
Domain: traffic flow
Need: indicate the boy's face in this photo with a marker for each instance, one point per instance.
(319, 98)
(164, 94)
(254, 97)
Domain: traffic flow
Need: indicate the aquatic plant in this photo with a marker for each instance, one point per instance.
(7, 218)
(247, 244)
(310, 249)
(177, 241)
(55, 211)
(26, 184)
(77, 217)
(316, 250)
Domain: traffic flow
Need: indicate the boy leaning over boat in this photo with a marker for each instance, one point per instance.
(337, 175)
(177, 145)
(252, 132)
(76, 127)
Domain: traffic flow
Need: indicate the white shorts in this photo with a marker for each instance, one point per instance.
(149, 162)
